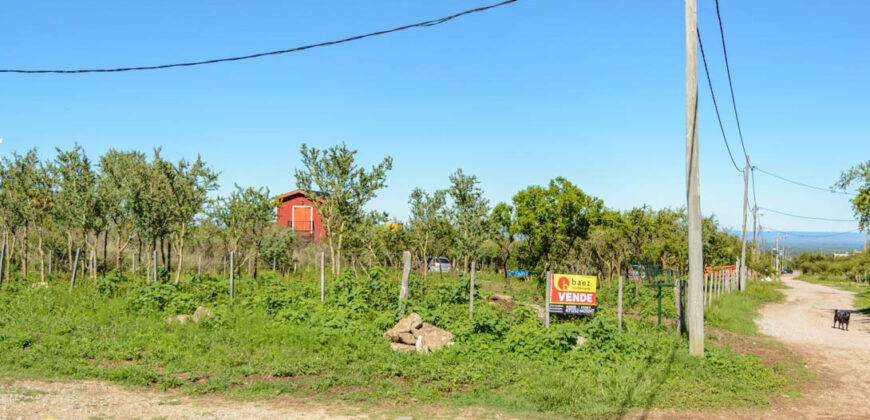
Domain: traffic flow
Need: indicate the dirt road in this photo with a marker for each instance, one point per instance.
(841, 358)
(97, 400)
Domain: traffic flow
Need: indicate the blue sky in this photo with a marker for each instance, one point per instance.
(589, 90)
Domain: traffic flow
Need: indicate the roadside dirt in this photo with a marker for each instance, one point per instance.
(97, 400)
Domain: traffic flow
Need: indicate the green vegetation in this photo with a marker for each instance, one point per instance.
(277, 338)
(737, 311)
(828, 266)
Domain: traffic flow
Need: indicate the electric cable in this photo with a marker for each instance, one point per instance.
(432, 22)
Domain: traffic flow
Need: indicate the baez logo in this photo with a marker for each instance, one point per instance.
(573, 294)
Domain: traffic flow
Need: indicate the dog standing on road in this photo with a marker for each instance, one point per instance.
(841, 318)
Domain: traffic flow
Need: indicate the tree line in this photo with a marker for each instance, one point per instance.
(128, 203)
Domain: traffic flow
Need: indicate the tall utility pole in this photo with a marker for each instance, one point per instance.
(777, 254)
(742, 270)
(755, 228)
(695, 301)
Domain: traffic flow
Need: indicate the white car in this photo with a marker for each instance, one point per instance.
(439, 265)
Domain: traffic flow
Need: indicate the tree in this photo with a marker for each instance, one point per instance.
(339, 189)
(470, 216)
(859, 175)
(501, 222)
(245, 217)
(428, 222)
(26, 199)
(187, 187)
(552, 221)
(277, 245)
(115, 187)
(77, 204)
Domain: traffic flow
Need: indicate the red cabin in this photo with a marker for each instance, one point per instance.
(297, 212)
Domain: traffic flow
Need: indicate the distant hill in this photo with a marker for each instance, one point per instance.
(814, 241)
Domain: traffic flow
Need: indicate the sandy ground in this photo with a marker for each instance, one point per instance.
(803, 322)
(92, 400)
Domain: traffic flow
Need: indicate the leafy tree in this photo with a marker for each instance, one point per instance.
(77, 204)
(339, 189)
(428, 223)
(245, 216)
(859, 175)
(552, 220)
(188, 186)
(149, 201)
(501, 221)
(470, 216)
(115, 187)
(277, 245)
(26, 199)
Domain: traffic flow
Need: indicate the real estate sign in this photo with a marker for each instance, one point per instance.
(571, 294)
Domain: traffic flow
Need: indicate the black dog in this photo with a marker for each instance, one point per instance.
(842, 318)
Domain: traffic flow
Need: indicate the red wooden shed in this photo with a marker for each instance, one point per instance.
(297, 212)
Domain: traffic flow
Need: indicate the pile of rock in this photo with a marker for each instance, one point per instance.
(411, 333)
(201, 313)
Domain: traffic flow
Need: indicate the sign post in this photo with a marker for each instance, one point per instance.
(571, 294)
(547, 300)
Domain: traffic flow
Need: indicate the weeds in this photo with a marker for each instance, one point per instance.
(277, 338)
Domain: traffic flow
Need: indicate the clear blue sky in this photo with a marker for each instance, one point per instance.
(589, 90)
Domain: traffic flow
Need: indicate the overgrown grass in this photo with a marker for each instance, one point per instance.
(737, 311)
(277, 338)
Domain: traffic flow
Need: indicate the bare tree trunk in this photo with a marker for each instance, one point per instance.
(69, 244)
(24, 250)
(180, 257)
(118, 248)
(105, 251)
(41, 257)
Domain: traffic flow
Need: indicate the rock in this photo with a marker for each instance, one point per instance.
(406, 325)
(202, 313)
(407, 338)
(580, 341)
(435, 338)
(420, 346)
(180, 318)
(404, 348)
(504, 300)
(412, 333)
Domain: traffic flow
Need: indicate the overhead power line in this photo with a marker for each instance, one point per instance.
(755, 168)
(806, 217)
(730, 84)
(823, 235)
(432, 22)
(715, 104)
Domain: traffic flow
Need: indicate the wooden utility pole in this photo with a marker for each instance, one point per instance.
(618, 303)
(322, 278)
(471, 295)
(755, 228)
(741, 269)
(232, 276)
(695, 301)
(406, 274)
(72, 276)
